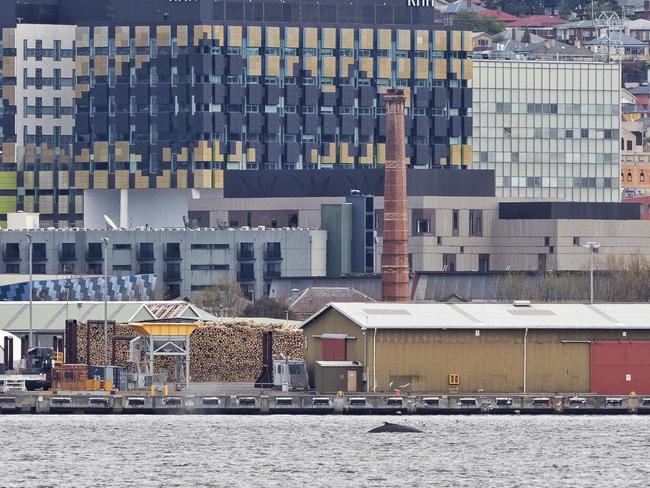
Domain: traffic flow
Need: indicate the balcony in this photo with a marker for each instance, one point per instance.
(94, 256)
(172, 255)
(172, 276)
(8, 256)
(271, 273)
(243, 276)
(245, 254)
(145, 255)
(67, 256)
(272, 254)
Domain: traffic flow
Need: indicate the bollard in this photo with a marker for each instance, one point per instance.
(152, 390)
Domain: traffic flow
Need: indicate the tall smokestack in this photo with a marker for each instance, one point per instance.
(395, 252)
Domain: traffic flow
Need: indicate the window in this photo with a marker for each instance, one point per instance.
(629, 177)
(642, 177)
(484, 262)
(423, 226)
(57, 50)
(209, 246)
(454, 222)
(146, 268)
(584, 133)
(121, 247)
(475, 223)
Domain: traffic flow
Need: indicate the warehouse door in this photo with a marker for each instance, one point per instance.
(333, 349)
(618, 368)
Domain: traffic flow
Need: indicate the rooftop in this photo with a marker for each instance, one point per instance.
(493, 316)
(538, 21)
(314, 298)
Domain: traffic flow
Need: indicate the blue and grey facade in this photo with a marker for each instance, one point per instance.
(172, 94)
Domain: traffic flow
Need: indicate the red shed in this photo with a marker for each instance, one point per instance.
(618, 368)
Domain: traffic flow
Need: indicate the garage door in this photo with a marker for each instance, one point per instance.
(618, 368)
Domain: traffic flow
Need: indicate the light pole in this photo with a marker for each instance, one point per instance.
(591, 246)
(105, 243)
(29, 255)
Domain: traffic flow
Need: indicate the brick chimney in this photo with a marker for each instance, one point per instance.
(395, 252)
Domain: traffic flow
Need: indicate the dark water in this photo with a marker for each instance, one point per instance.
(297, 451)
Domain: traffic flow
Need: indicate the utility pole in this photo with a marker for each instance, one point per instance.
(105, 241)
(31, 292)
(591, 246)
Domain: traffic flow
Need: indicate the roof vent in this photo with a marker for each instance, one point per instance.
(521, 303)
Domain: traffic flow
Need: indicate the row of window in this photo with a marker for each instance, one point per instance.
(39, 110)
(38, 53)
(544, 182)
(38, 81)
(555, 133)
(546, 157)
(549, 108)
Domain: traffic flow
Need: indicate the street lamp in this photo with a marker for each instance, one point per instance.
(591, 246)
(105, 243)
(30, 247)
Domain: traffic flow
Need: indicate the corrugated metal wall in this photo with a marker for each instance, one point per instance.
(618, 368)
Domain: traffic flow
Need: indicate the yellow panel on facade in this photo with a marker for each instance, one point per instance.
(46, 204)
(330, 157)
(254, 65)
(9, 94)
(100, 180)
(370, 153)
(121, 178)
(181, 178)
(164, 180)
(201, 32)
(456, 67)
(28, 180)
(366, 38)
(403, 68)
(251, 155)
(8, 152)
(468, 154)
(467, 41)
(328, 39)
(119, 59)
(345, 156)
(82, 37)
(218, 178)
(63, 180)
(64, 204)
(272, 67)
(440, 40)
(122, 36)
(101, 65)
(46, 180)
(202, 178)
(181, 35)
(234, 35)
(367, 65)
(272, 37)
(385, 68)
(28, 203)
(468, 69)
(329, 66)
(142, 36)
(310, 63)
(254, 36)
(346, 38)
(440, 69)
(313, 155)
(381, 153)
(9, 66)
(183, 156)
(47, 155)
(291, 62)
(202, 151)
(100, 151)
(217, 153)
(141, 181)
(421, 40)
(122, 150)
(81, 66)
(345, 63)
(456, 41)
(166, 154)
(219, 35)
(455, 154)
(140, 59)
(100, 36)
(328, 89)
(163, 35)
(236, 156)
(310, 37)
(292, 37)
(9, 37)
(404, 39)
(81, 179)
(385, 38)
(8, 180)
(421, 68)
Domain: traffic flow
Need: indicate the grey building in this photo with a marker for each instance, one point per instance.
(188, 261)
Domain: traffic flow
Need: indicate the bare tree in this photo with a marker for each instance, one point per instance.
(224, 298)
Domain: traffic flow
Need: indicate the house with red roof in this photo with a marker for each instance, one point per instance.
(543, 25)
(498, 14)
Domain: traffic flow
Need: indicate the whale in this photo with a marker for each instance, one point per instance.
(391, 427)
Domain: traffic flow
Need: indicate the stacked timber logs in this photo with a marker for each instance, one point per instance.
(219, 352)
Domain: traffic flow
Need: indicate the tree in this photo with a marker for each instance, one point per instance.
(525, 38)
(267, 307)
(635, 71)
(224, 298)
(471, 21)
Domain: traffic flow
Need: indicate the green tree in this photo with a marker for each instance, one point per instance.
(267, 307)
(635, 71)
(471, 21)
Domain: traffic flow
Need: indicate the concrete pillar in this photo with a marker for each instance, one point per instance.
(124, 208)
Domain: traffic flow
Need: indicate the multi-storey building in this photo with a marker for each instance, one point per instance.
(549, 128)
(172, 94)
(187, 261)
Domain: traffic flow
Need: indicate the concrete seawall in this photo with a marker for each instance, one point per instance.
(300, 403)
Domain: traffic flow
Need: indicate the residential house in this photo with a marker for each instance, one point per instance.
(620, 46)
(635, 157)
(481, 41)
(577, 32)
(639, 29)
(542, 25)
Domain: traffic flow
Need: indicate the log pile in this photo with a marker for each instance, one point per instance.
(220, 352)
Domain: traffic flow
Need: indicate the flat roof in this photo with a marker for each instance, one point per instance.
(493, 315)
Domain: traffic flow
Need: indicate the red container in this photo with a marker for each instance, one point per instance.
(619, 368)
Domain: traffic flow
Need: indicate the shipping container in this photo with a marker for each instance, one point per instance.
(620, 368)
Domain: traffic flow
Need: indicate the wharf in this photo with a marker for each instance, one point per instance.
(301, 403)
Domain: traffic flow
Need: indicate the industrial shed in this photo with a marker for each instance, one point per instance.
(500, 348)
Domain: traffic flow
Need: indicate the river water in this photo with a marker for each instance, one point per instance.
(329, 451)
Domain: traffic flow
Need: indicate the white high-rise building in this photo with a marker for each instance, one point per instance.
(549, 128)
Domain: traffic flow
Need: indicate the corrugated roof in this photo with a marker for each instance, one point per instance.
(50, 316)
(313, 299)
(493, 316)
